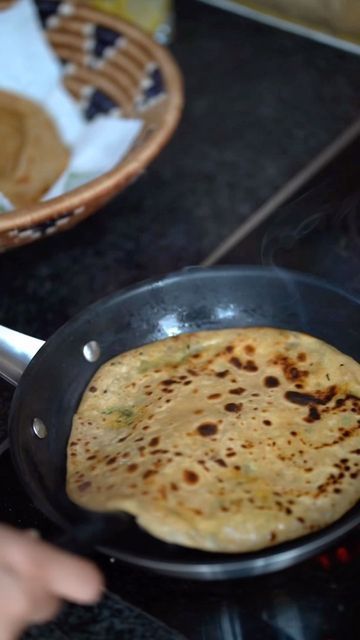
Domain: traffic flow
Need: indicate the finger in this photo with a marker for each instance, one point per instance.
(12, 614)
(69, 576)
(45, 607)
(11, 629)
(64, 574)
(23, 603)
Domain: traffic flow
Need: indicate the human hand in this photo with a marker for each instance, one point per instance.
(35, 577)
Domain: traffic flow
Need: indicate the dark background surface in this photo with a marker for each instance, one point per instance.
(260, 104)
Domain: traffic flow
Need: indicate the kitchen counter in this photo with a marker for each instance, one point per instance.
(260, 104)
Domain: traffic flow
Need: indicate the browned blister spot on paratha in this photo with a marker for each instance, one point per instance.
(271, 381)
(228, 440)
(250, 365)
(207, 429)
(290, 368)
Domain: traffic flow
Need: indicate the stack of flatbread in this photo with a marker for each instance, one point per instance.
(32, 153)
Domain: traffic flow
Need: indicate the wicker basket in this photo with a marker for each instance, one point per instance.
(110, 66)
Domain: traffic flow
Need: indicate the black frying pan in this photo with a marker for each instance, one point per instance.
(52, 384)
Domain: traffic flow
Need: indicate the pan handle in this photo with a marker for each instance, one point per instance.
(16, 351)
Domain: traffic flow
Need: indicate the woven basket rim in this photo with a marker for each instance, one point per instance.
(136, 160)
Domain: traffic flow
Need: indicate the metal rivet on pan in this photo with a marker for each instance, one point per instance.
(91, 351)
(39, 428)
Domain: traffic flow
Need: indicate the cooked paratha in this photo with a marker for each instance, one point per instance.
(32, 153)
(230, 440)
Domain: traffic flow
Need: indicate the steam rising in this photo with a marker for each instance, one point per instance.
(331, 210)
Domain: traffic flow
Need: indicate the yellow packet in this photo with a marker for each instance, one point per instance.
(154, 16)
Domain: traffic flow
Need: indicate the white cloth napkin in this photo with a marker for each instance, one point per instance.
(29, 67)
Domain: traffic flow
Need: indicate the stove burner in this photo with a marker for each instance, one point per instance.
(342, 555)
